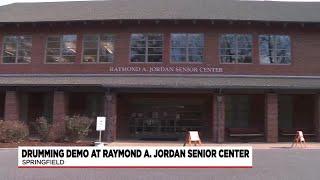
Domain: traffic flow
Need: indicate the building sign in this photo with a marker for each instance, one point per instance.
(101, 123)
(165, 69)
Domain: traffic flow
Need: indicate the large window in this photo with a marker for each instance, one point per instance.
(187, 47)
(98, 48)
(17, 49)
(146, 47)
(236, 48)
(275, 49)
(61, 48)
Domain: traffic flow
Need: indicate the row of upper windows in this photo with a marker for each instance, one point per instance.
(185, 47)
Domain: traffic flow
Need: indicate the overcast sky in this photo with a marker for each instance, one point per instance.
(3, 2)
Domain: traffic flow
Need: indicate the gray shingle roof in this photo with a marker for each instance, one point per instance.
(162, 81)
(162, 9)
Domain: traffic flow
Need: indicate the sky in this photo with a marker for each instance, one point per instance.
(4, 2)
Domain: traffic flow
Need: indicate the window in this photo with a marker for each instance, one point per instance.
(146, 47)
(187, 47)
(98, 48)
(61, 49)
(17, 49)
(275, 49)
(236, 48)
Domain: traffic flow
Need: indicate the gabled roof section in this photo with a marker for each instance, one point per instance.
(161, 10)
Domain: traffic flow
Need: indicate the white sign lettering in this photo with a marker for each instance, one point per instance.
(163, 69)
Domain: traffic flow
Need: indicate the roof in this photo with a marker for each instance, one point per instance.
(162, 9)
(163, 81)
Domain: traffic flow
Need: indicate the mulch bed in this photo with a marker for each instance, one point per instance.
(39, 143)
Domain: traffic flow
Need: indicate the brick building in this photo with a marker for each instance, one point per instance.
(229, 69)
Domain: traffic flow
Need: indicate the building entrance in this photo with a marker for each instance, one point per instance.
(166, 118)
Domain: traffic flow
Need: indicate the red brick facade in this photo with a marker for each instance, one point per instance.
(271, 117)
(11, 110)
(60, 104)
(111, 117)
(218, 118)
(305, 42)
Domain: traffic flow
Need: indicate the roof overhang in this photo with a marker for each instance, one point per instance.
(191, 81)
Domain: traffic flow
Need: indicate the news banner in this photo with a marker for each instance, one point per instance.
(135, 157)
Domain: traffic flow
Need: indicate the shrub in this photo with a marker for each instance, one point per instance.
(13, 131)
(77, 127)
(42, 128)
(57, 132)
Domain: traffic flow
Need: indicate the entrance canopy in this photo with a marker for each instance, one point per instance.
(164, 81)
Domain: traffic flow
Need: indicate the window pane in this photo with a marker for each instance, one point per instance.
(10, 47)
(24, 59)
(154, 43)
(69, 38)
(284, 60)
(267, 59)
(244, 52)
(69, 52)
(195, 58)
(228, 59)
(54, 38)
(138, 58)
(179, 40)
(155, 37)
(179, 58)
(195, 51)
(9, 59)
(106, 48)
(228, 41)
(107, 37)
(90, 45)
(137, 37)
(138, 51)
(179, 51)
(69, 45)
(68, 59)
(90, 58)
(244, 59)
(107, 58)
(53, 52)
(53, 45)
(24, 52)
(10, 39)
(195, 40)
(9, 53)
(283, 42)
(155, 58)
(90, 52)
(229, 52)
(52, 59)
(244, 41)
(154, 50)
(275, 49)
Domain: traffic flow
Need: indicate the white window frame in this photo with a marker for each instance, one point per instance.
(17, 49)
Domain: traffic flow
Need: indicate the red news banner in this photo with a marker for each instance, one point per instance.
(135, 157)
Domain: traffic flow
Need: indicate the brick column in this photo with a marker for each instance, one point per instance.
(60, 105)
(317, 116)
(218, 118)
(11, 107)
(271, 117)
(111, 116)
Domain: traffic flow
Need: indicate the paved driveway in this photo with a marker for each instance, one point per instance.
(268, 164)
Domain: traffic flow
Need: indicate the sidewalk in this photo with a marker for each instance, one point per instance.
(255, 145)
